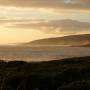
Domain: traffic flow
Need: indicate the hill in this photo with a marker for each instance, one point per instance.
(66, 74)
(73, 40)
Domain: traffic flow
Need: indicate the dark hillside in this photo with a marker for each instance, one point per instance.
(67, 74)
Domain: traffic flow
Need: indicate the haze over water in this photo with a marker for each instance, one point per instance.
(44, 53)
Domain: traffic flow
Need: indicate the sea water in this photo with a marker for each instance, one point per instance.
(41, 53)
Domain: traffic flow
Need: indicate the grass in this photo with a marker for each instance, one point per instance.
(66, 74)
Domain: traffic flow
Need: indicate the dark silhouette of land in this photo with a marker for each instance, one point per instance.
(66, 74)
(72, 40)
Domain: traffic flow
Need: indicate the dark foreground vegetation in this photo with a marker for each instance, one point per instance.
(67, 74)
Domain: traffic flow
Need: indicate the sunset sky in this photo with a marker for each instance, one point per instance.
(27, 20)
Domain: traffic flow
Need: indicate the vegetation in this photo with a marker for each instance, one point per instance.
(67, 74)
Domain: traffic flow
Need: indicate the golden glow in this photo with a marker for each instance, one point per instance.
(8, 15)
(9, 36)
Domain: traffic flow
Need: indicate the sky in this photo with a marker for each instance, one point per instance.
(28, 20)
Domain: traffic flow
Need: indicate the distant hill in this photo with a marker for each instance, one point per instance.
(72, 40)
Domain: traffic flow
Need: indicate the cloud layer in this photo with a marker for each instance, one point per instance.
(59, 4)
(64, 27)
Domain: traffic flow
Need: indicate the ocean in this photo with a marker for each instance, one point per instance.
(41, 53)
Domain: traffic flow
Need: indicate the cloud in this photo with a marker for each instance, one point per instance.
(55, 4)
(64, 27)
